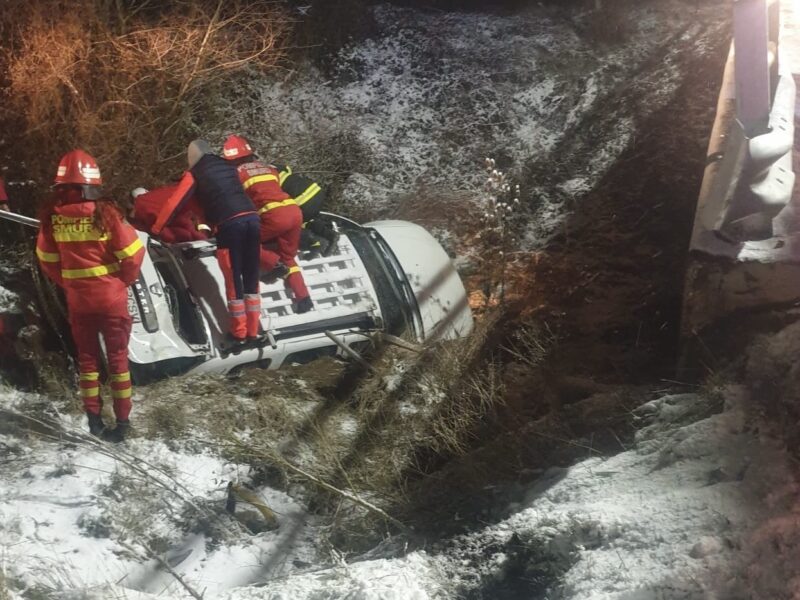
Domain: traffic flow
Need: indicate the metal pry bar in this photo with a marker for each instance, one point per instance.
(10, 216)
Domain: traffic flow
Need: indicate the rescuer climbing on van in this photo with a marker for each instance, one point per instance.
(318, 234)
(146, 205)
(215, 184)
(281, 218)
(85, 247)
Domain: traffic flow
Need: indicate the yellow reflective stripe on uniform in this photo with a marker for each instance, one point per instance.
(126, 393)
(294, 269)
(258, 179)
(97, 271)
(51, 257)
(310, 192)
(126, 376)
(79, 236)
(284, 174)
(92, 376)
(271, 205)
(90, 392)
(129, 250)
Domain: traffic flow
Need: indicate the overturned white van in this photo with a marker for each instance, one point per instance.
(390, 276)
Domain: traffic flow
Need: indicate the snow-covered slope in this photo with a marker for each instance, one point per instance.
(699, 507)
(415, 109)
(695, 509)
(78, 515)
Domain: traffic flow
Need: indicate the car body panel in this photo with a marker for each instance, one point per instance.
(439, 292)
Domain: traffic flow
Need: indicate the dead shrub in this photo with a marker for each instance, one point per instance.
(502, 219)
(128, 81)
(531, 344)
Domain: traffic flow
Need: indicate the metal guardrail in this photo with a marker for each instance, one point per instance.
(748, 184)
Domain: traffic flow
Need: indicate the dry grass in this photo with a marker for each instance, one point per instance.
(366, 441)
(5, 594)
(374, 435)
(128, 81)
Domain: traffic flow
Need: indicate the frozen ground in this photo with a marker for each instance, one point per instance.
(77, 516)
(702, 505)
(416, 109)
(695, 509)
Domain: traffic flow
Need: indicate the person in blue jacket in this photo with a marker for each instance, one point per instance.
(214, 182)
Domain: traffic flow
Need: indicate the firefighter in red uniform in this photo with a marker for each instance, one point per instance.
(146, 206)
(215, 185)
(85, 247)
(281, 218)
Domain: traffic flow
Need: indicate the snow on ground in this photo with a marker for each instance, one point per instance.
(74, 518)
(9, 301)
(417, 108)
(697, 508)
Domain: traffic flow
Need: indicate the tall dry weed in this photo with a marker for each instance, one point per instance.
(132, 82)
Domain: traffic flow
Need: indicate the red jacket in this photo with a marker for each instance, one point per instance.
(3, 195)
(278, 211)
(181, 228)
(94, 262)
(261, 184)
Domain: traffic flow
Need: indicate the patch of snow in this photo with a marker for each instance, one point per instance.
(413, 577)
(9, 301)
(678, 515)
(74, 519)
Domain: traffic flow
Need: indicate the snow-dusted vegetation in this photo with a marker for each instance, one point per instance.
(414, 111)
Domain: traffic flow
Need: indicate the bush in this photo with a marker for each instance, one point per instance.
(128, 81)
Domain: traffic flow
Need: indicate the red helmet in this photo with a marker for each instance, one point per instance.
(78, 167)
(236, 147)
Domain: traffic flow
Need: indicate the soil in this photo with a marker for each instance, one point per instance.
(610, 285)
(609, 289)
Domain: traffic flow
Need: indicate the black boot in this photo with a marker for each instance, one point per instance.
(117, 434)
(303, 305)
(96, 425)
(278, 272)
(258, 339)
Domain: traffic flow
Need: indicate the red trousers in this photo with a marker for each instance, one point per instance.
(116, 331)
(280, 239)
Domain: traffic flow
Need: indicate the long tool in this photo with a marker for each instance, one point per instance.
(10, 216)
